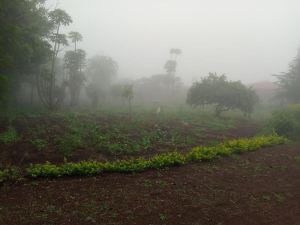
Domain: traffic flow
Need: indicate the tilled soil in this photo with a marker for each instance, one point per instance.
(23, 153)
(260, 188)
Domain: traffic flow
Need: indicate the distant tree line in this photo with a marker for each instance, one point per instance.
(36, 63)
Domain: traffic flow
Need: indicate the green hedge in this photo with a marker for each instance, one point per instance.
(196, 154)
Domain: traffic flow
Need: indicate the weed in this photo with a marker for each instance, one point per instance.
(162, 217)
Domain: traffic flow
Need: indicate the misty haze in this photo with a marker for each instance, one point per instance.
(149, 112)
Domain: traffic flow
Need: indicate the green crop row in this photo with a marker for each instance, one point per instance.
(89, 168)
(93, 168)
(196, 154)
(203, 153)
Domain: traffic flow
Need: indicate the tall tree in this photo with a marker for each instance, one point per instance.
(24, 30)
(128, 94)
(289, 82)
(101, 70)
(50, 93)
(75, 37)
(74, 62)
(171, 64)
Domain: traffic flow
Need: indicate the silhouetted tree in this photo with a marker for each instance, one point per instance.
(225, 95)
(101, 71)
(74, 62)
(289, 82)
(24, 28)
(128, 94)
(49, 91)
(75, 37)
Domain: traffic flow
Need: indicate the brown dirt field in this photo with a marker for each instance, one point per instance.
(258, 188)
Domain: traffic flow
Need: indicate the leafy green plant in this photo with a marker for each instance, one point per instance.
(9, 136)
(69, 143)
(10, 174)
(40, 144)
(234, 146)
(156, 162)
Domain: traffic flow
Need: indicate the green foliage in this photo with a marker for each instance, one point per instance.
(289, 82)
(11, 174)
(234, 146)
(225, 95)
(69, 142)
(23, 45)
(40, 144)
(93, 168)
(9, 136)
(74, 62)
(286, 121)
(156, 162)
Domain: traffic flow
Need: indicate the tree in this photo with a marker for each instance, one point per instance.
(47, 87)
(176, 52)
(128, 94)
(101, 71)
(170, 67)
(74, 61)
(25, 28)
(289, 82)
(171, 64)
(225, 95)
(75, 37)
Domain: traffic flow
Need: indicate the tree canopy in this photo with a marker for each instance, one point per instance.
(25, 28)
(289, 82)
(225, 95)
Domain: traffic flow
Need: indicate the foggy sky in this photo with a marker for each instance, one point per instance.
(248, 40)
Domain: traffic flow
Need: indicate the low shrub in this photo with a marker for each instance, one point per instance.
(9, 136)
(286, 122)
(156, 162)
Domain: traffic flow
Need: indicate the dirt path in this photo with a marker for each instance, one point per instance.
(258, 188)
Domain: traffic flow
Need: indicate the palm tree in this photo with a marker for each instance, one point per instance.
(176, 52)
(75, 37)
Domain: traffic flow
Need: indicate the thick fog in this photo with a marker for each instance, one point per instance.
(248, 40)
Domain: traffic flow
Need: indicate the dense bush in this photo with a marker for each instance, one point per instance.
(155, 162)
(286, 122)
